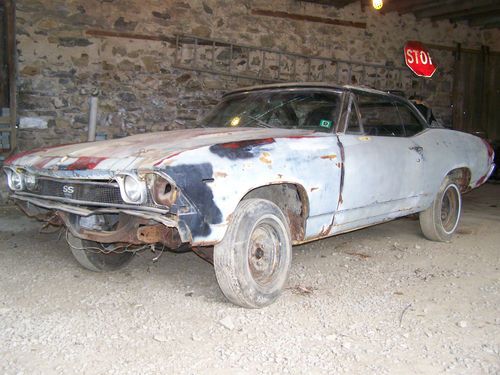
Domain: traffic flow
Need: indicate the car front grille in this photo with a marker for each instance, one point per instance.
(81, 191)
(87, 192)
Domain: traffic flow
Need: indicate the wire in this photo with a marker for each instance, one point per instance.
(102, 249)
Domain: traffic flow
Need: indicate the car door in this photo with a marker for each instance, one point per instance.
(383, 164)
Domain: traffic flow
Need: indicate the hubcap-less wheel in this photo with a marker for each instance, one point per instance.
(264, 255)
(253, 260)
(440, 220)
(450, 210)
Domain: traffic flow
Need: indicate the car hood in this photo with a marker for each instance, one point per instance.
(139, 151)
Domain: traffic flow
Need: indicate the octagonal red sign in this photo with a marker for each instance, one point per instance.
(418, 59)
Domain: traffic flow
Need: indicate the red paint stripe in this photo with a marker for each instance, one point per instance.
(19, 155)
(168, 157)
(83, 163)
(243, 144)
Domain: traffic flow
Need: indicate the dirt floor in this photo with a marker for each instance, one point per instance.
(382, 300)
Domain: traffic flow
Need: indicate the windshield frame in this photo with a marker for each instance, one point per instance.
(334, 90)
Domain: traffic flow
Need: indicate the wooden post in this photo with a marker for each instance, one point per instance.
(10, 16)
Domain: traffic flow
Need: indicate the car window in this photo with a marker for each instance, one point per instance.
(409, 120)
(277, 109)
(379, 116)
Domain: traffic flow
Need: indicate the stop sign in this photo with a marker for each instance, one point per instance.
(419, 59)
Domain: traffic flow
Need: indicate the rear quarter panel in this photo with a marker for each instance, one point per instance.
(446, 150)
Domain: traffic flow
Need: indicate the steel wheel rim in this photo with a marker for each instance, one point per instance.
(264, 255)
(450, 209)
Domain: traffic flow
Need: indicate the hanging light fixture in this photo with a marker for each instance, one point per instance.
(377, 4)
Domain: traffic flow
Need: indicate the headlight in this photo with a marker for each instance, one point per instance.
(15, 180)
(30, 181)
(132, 189)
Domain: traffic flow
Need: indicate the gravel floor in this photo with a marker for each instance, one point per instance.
(382, 300)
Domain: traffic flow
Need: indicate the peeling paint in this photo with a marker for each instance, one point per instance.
(329, 157)
(265, 158)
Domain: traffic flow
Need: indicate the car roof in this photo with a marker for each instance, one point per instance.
(311, 85)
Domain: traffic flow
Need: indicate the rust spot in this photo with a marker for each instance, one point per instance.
(296, 225)
(481, 181)
(280, 176)
(265, 158)
(339, 165)
(329, 157)
(220, 174)
(325, 231)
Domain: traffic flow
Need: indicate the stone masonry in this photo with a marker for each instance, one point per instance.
(61, 64)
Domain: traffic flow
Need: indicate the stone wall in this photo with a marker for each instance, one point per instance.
(61, 65)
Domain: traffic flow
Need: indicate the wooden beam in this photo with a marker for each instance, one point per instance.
(306, 18)
(10, 17)
(4, 87)
(450, 7)
(405, 6)
(125, 35)
(491, 20)
(334, 3)
(464, 14)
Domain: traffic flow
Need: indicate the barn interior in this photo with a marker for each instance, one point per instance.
(378, 300)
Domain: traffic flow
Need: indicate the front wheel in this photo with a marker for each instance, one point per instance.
(253, 260)
(440, 221)
(98, 257)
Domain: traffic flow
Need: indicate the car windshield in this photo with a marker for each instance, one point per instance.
(277, 109)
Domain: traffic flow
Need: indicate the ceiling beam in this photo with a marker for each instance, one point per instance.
(334, 3)
(449, 7)
(465, 14)
(489, 20)
(405, 6)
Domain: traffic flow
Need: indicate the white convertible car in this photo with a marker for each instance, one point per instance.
(269, 167)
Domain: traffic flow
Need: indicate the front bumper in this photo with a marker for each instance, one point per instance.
(132, 233)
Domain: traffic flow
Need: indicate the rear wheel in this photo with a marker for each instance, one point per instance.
(253, 260)
(98, 257)
(440, 221)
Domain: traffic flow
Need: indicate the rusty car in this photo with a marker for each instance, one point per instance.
(269, 167)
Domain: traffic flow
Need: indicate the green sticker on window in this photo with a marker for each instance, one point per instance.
(325, 124)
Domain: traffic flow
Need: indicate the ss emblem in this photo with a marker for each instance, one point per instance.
(68, 189)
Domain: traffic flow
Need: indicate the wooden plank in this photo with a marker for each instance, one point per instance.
(465, 14)
(4, 89)
(10, 17)
(334, 3)
(306, 18)
(5, 120)
(453, 49)
(125, 35)
(493, 82)
(438, 9)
